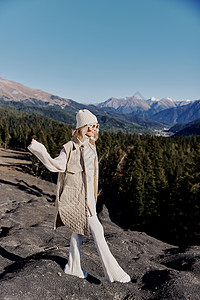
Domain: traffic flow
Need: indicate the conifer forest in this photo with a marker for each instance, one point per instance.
(148, 183)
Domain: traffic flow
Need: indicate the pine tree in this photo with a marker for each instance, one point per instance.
(5, 134)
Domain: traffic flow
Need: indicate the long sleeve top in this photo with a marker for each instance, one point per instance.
(58, 164)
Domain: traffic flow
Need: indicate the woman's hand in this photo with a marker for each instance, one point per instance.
(32, 141)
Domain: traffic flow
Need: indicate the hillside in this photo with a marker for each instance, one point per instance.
(181, 114)
(106, 121)
(181, 126)
(192, 128)
(14, 91)
(135, 118)
(149, 185)
(33, 255)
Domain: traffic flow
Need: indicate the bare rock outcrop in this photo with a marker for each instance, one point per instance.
(33, 255)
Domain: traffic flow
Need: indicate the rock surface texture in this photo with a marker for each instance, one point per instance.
(33, 255)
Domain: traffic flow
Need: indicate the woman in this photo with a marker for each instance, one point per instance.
(76, 195)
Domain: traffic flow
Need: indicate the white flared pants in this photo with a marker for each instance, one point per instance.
(112, 270)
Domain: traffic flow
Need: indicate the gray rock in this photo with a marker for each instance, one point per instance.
(33, 255)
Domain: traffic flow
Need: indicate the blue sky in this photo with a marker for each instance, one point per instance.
(91, 50)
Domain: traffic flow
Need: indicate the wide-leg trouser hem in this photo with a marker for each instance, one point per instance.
(112, 270)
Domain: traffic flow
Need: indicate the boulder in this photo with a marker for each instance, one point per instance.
(33, 255)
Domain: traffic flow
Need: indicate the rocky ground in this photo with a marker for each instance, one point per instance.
(32, 254)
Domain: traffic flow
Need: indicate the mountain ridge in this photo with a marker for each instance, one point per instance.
(64, 109)
(181, 114)
(11, 90)
(129, 113)
(14, 91)
(143, 107)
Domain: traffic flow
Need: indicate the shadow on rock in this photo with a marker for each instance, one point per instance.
(21, 262)
(92, 279)
(19, 155)
(181, 264)
(13, 257)
(154, 279)
(30, 189)
(182, 259)
(4, 231)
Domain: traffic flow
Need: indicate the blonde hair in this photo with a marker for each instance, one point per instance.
(81, 132)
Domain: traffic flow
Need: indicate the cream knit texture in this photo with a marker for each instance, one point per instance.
(89, 157)
(85, 117)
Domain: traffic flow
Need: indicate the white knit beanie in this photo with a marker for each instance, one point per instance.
(84, 117)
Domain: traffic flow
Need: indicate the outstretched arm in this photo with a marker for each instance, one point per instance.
(57, 164)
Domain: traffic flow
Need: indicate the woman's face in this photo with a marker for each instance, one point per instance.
(92, 128)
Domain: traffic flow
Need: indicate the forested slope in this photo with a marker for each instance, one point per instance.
(148, 183)
(108, 120)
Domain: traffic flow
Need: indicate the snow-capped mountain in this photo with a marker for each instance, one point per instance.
(139, 106)
(180, 114)
(164, 110)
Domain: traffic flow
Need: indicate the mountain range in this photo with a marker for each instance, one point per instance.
(142, 107)
(132, 114)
